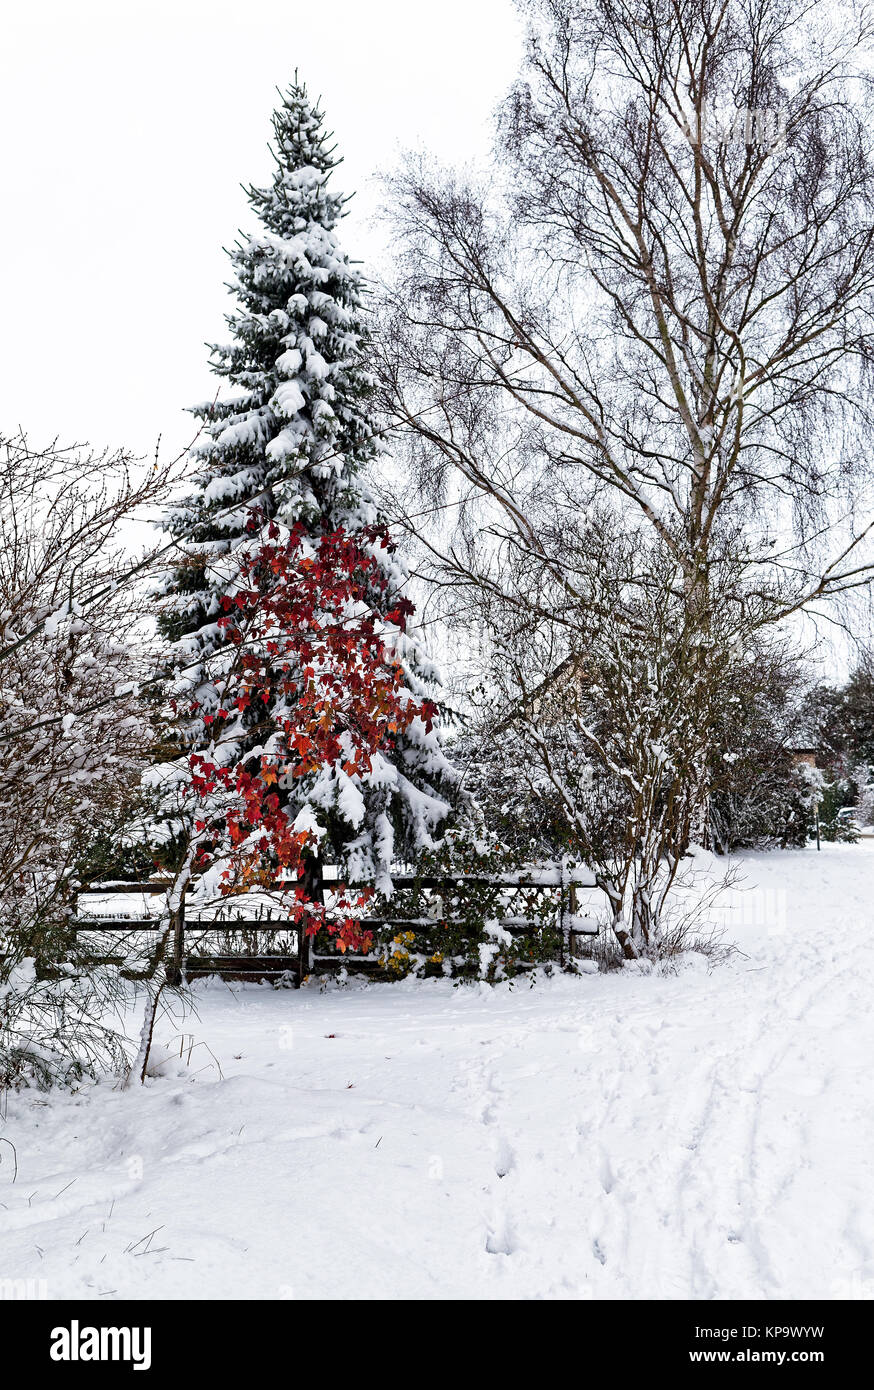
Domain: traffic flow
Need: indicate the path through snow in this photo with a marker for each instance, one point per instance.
(704, 1135)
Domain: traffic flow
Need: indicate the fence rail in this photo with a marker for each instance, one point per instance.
(304, 959)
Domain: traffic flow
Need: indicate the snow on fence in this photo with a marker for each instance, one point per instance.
(267, 944)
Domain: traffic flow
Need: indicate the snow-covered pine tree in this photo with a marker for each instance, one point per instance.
(289, 446)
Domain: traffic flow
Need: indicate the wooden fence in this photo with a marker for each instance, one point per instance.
(191, 930)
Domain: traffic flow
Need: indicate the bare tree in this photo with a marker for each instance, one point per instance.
(74, 737)
(660, 301)
(620, 734)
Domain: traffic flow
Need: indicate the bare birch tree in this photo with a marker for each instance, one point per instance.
(659, 301)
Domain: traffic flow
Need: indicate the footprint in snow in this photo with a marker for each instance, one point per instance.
(501, 1241)
(606, 1174)
(505, 1159)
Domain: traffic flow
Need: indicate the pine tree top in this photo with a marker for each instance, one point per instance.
(305, 157)
(295, 431)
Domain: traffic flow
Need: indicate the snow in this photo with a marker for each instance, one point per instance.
(701, 1134)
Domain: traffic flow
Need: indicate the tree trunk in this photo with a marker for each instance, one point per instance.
(313, 886)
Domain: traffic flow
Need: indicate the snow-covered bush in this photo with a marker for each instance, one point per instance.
(837, 796)
(760, 794)
(599, 704)
(843, 718)
(457, 932)
(73, 737)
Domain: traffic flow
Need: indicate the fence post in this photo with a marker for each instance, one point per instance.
(562, 914)
(304, 952)
(176, 968)
(567, 912)
(313, 885)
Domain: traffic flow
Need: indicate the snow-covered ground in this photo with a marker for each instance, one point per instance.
(708, 1134)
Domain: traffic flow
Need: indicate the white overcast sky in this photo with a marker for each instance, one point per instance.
(128, 126)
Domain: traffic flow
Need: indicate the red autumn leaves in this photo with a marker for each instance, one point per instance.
(314, 677)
